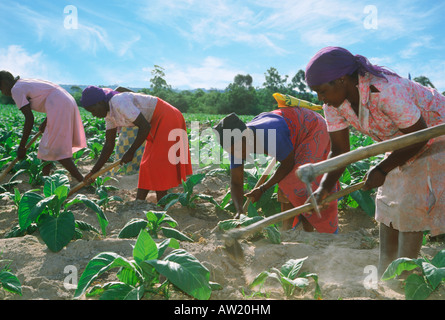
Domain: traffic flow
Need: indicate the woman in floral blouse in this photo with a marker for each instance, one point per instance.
(382, 105)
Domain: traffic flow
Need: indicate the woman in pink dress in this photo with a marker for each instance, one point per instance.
(381, 104)
(63, 132)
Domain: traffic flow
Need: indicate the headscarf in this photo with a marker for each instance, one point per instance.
(331, 63)
(92, 95)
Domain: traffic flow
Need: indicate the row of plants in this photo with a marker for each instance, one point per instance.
(49, 211)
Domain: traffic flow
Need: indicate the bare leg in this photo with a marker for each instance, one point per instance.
(389, 245)
(306, 225)
(410, 244)
(47, 169)
(142, 194)
(69, 165)
(160, 194)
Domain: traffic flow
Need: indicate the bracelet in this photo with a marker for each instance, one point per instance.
(381, 170)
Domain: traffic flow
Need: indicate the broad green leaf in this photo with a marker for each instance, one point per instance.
(84, 226)
(122, 291)
(398, 266)
(365, 201)
(246, 221)
(259, 279)
(252, 211)
(416, 288)
(57, 232)
(132, 228)
(53, 182)
(176, 234)
(128, 276)
(439, 259)
(103, 221)
(39, 208)
(291, 268)
(168, 200)
(159, 217)
(192, 181)
(208, 198)
(10, 282)
(434, 275)
(215, 286)
(185, 272)
(61, 193)
(167, 243)
(98, 265)
(26, 206)
(228, 224)
(273, 234)
(145, 248)
(184, 199)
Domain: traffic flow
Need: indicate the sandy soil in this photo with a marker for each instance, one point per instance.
(339, 260)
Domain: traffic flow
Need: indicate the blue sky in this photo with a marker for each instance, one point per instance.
(205, 43)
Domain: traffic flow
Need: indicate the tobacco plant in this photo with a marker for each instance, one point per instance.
(51, 214)
(289, 278)
(8, 280)
(102, 191)
(142, 276)
(187, 198)
(419, 286)
(153, 226)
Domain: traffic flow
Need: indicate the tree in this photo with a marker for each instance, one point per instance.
(77, 94)
(274, 82)
(241, 97)
(158, 82)
(298, 82)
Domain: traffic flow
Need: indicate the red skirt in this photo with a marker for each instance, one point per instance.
(166, 160)
(310, 138)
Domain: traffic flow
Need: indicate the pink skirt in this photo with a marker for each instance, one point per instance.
(412, 197)
(64, 133)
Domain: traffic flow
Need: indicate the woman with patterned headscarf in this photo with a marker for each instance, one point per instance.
(63, 132)
(164, 164)
(383, 105)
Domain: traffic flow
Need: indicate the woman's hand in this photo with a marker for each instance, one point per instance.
(374, 178)
(127, 157)
(88, 180)
(320, 195)
(254, 195)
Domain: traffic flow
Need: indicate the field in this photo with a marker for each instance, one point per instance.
(338, 267)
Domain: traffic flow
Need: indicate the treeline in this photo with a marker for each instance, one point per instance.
(240, 96)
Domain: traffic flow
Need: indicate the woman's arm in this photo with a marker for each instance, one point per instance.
(143, 131)
(27, 128)
(237, 188)
(376, 176)
(283, 170)
(339, 145)
(107, 150)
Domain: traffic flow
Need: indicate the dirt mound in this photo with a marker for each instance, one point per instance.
(343, 262)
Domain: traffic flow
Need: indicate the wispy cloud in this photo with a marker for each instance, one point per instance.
(211, 73)
(18, 61)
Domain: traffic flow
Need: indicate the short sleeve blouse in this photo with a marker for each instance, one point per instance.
(398, 104)
(126, 107)
(272, 133)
